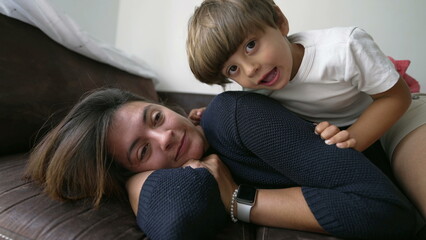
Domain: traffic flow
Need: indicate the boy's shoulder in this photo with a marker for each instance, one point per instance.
(327, 36)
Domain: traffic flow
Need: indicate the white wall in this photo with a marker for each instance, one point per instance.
(155, 30)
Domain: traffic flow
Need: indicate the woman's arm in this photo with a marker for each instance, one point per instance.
(284, 208)
(134, 186)
(179, 203)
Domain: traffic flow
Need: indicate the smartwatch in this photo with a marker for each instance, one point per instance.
(246, 198)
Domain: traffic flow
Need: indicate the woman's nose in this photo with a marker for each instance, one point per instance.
(166, 139)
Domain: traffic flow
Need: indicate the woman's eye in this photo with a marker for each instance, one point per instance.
(250, 46)
(156, 118)
(232, 70)
(143, 151)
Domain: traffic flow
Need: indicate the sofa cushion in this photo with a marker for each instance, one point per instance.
(26, 213)
(40, 80)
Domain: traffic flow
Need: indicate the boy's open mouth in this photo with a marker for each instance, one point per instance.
(270, 78)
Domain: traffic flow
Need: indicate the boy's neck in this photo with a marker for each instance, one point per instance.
(297, 52)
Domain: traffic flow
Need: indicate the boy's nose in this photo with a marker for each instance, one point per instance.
(251, 69)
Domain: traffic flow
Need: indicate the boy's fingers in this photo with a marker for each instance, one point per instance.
(351, 143)
(319, 127)
(337, 137)
(331, 133)
(342, 139)
(200, 111)
(195, 115)
(192, 113)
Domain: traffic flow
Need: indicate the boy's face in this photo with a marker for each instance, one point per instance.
(263, 61)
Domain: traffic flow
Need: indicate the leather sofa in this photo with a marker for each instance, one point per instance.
(39, 81)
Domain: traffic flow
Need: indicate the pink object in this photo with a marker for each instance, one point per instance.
(401, 67)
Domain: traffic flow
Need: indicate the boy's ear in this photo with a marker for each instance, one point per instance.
(282, 22)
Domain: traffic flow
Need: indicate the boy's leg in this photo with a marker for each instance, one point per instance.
(405, 142)
(377, 155)
(409, 166)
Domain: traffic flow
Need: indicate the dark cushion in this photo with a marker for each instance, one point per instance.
(39, 77)
(27, 213)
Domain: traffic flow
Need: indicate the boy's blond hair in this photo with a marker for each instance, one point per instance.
(218, 27)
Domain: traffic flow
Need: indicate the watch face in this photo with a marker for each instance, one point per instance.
(246, 194)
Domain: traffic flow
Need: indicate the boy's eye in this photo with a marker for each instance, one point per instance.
(232, 70)
(250, 46)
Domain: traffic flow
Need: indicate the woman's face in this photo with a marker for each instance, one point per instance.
(145, 136)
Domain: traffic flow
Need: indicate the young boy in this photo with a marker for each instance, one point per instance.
(338, 78)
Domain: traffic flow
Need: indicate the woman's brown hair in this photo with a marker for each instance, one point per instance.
(71, 161)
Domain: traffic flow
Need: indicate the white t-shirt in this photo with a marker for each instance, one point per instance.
(341, 67)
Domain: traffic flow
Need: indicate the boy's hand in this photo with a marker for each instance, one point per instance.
(333, 135)
(196, 114)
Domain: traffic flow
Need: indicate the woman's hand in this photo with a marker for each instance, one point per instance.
(333, 135)
(222, 175)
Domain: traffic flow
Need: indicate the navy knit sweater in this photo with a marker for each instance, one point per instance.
(267, 146)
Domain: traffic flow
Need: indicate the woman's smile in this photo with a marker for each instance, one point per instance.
(182, 147)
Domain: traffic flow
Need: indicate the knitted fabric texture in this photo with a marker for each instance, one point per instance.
(265, 145)
(181, 203)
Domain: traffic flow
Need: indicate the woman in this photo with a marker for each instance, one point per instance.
(301, 182)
